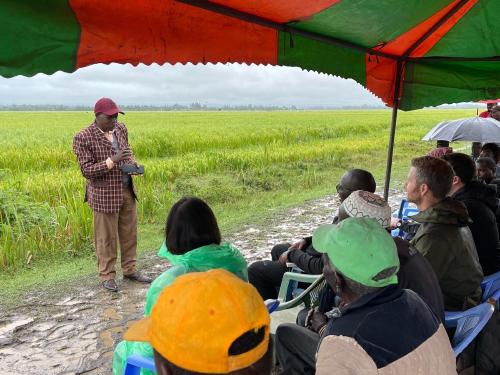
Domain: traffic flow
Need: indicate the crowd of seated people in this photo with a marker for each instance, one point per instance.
(381, 311)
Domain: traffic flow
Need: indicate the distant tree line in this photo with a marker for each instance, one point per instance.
(204, 107)
(177, 107)
(167, 107)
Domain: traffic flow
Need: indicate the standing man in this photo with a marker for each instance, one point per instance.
(102, 149)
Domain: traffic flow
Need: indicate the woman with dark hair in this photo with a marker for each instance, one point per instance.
(192, 244)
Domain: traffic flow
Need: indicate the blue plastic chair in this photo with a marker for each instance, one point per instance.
(404, 213)
(468, 325)
(293, 289)
(490, 285)
(137, 362)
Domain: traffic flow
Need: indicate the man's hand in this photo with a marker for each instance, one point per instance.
(394, 222)
(300, 245)
(283, 259)
(316, 320)
(121, 155)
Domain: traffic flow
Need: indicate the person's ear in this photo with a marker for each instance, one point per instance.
(455, 180)
(424, 189)
(339, 283)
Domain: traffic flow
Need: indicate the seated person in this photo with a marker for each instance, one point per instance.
(207, 323)
(192, 244)
(444, 237)
(482, 205)
(486, 172)
(266, 275)
(492, 151)
(486, 169)
(415, 272)
(377, 326)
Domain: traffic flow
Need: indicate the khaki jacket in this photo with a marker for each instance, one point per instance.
(341, 355)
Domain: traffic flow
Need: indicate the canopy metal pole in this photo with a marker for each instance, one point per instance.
(395, 105)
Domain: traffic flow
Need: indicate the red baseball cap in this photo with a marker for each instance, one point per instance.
(106, 106)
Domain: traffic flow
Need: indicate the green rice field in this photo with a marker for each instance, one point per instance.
(245, 164)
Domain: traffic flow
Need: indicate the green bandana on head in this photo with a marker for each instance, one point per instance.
(360, 249)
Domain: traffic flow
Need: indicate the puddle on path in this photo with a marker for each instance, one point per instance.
(76, 333)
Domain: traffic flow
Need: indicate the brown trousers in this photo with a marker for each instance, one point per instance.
(109, 226)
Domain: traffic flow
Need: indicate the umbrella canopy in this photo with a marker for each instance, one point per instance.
(474, 129)
(419, 52)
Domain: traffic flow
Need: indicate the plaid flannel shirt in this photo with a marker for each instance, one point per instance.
(104, 186)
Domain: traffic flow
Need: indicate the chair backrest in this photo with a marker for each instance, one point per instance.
(490, 285)
(137, 362)
(468, 325)
(405, 210)
(404, 213)
(309, 296)
(293, 287)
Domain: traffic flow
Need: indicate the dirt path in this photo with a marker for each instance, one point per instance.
(75, 332)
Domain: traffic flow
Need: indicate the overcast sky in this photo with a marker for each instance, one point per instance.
(212, 85)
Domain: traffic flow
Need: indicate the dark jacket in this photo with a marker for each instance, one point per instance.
(482, 204)
(388, 324)
(309, 260)
(415, 273)
(445, 240)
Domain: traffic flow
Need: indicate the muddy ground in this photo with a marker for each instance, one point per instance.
(76, 330)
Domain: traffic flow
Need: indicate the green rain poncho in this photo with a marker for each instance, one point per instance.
(198, 260)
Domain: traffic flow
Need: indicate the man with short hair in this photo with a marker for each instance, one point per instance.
(444, 237)
(492, 151)
(486, 169)
(102, 150)
(266, 275)
(378, 326)
(482, 204)
(207, 323)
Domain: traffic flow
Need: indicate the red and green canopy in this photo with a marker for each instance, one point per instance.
(445, 50)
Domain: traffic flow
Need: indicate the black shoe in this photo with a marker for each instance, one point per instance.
(110, 285)
(137, 276)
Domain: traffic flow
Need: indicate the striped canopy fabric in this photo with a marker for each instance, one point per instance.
(445, 51)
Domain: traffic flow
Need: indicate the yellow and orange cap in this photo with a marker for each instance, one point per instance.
(197, 318)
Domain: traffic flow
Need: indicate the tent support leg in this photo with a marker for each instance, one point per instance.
(390, 149)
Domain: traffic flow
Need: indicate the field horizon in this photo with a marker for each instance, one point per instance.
(245, 164)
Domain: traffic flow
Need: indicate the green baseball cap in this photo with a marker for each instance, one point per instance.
(360, 249)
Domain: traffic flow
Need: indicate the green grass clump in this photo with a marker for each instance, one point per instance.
(242, 163)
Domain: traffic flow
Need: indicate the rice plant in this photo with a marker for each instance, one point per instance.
(231, 159)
